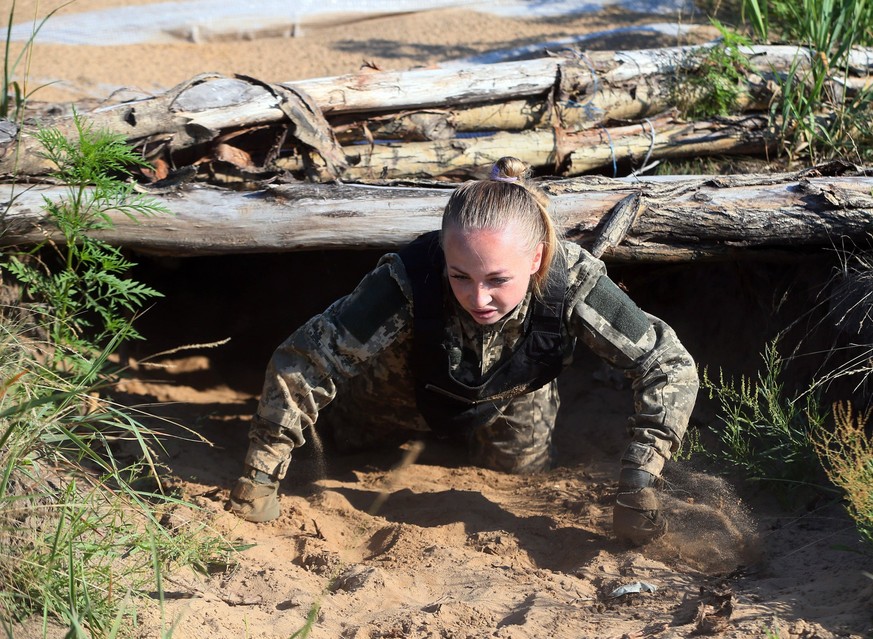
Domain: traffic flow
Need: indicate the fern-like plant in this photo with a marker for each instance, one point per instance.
(79, 287)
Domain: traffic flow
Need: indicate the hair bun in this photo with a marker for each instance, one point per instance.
(508, 169)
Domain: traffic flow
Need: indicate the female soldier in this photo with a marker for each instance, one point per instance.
(464, 332)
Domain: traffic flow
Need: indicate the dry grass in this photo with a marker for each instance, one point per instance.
(847, 455)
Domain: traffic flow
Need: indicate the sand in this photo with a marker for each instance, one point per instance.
(404, 41)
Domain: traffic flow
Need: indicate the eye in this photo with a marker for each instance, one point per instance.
(458, 276)
(500, 281)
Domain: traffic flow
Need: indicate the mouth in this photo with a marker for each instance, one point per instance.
(483, 314)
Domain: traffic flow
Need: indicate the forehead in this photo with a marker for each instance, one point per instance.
(492, 248)
(509, 234)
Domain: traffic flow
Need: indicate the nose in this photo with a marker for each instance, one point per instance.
(481, 297)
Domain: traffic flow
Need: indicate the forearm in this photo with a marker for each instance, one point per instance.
(647, 351)
(665, 389)
(299, 380)
(297, 385)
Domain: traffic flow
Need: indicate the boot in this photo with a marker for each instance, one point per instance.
(255, 497)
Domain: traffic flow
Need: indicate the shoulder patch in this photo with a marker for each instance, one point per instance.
(377, 298)
(618, 309)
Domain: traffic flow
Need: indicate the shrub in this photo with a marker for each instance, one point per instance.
(765, 432)
(847, 456)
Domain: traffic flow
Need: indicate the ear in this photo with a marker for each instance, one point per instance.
(537, 258)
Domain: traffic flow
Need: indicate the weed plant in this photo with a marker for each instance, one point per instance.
(79, 285)
(718, 82)
(784, 439)
(766, 433)
(80, 541)
(847, 455)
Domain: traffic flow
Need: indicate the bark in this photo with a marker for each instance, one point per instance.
(555, 151)
(676, 220)
(194, 123)
(617, 223)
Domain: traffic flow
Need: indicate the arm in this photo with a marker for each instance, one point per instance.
(647, 350)
(303, 372)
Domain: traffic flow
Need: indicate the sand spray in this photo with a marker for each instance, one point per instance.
(709, 527)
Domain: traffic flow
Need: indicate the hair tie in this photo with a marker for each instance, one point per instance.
(495, 175)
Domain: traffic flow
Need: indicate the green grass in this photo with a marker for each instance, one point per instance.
(81, 541)
(766, 431)
(15, 92)
(79, 538)
(812, 117)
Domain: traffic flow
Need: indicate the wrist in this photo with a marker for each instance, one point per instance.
(633, 479)
(259, 476)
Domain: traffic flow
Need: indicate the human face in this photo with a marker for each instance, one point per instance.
(489, 269)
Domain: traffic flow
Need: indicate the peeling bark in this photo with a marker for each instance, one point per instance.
(673, 220)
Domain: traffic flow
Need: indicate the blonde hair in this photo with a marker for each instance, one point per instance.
(507, 197)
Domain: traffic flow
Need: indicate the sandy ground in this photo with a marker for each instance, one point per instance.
(413, 543)
(66, 72)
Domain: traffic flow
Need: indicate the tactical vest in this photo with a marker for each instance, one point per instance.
(448, 405)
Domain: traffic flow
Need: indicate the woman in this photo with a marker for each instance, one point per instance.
(464, 332)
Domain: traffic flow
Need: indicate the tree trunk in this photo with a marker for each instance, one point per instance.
(676, 219)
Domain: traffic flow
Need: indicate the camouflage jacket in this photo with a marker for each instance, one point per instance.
(361, 347)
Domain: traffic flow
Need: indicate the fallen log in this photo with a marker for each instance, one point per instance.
(199, 113)
(185, 125)
(562, 152)
(582, 74)
(676, 219)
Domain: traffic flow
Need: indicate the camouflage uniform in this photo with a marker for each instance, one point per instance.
(360, 348)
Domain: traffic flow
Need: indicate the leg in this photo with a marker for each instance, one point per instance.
(519, 440)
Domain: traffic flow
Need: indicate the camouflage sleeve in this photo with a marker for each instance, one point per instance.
(303, 372)
(646, 350)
